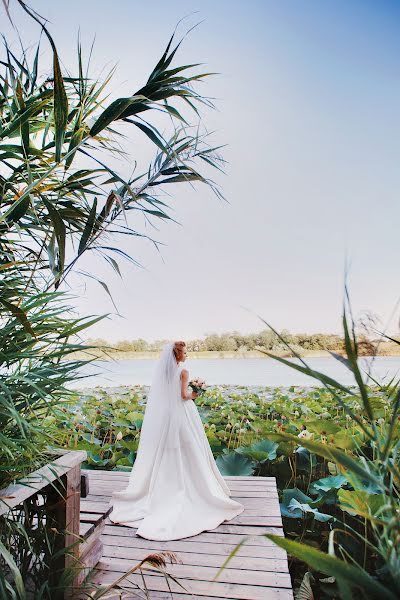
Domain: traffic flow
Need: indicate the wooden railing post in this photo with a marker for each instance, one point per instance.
(63, 507)
(59, 482)
(72, 515)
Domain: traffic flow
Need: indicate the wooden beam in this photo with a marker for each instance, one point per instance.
(26, 487)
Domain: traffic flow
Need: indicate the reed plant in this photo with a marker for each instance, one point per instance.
(362, 556)
(62, 198)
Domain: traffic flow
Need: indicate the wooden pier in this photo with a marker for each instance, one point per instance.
(259, 570)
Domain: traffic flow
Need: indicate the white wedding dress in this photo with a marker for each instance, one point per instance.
(175, 489)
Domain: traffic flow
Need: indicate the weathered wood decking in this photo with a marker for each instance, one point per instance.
(259, 570)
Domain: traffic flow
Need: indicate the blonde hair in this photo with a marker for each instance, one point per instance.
(178, 350)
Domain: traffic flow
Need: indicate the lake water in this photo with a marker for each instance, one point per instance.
(236, 371)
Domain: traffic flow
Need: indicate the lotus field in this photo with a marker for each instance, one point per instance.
(333, 497)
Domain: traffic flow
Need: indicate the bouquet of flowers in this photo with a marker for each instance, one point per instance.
(198, 386)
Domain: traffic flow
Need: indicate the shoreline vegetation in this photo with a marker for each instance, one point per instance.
(385, 349)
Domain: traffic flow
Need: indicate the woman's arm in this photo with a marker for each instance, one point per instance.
(186, 395)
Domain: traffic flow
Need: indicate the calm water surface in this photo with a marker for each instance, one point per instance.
(236, 371)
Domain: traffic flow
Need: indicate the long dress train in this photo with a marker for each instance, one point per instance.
(175, 489)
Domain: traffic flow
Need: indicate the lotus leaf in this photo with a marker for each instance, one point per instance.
(323, 427)
(362, 503)
(326, 484)
(235, 464)
(306, 461)
(261, 451)
(307, 509)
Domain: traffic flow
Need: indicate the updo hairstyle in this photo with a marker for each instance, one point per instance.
(178, 350)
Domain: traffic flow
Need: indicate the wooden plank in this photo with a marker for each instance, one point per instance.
(207, 573)
(231, 485)
(271, 501)
(198, 588)
(101, 473)
(109, 489)
(265, 507)
(275, 594)
(111, 477)
(266, 521)
(104, 508)
(198, 547)
(263, 500)
(107, 481)
(155, 595)
(250, 503)
(91, 517)
(250, 478)
(88, 561)
(26, 487)
(119, 476)
(86, 529)
(250, 563)
(96, 507)
(178, 596)
(90, 537)
(234, 535)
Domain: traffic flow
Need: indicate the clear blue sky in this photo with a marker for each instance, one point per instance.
(308, 101)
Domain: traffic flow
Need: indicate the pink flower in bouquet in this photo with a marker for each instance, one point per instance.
(198, 386)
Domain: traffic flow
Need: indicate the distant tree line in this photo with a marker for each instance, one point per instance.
(235, 341)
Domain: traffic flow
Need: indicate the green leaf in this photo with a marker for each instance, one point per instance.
(296, 505)
(355, 577)
(60, 106)
(151, 135)
(88, 227)
(326, 484)
(333, 454)
(235, 464)
(18, 122)
(178, 178)
(24, 130)
(14, 571)
(74, 143)
(307, 509)
(114, 112)
(362, 503)
(290, 511)
(322, 427)
(19, 314)
(17, 211)
(260, 451)
(60, 233)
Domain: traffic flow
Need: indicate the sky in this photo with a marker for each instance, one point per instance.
(307, 96)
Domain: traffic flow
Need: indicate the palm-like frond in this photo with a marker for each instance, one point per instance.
(55, 190)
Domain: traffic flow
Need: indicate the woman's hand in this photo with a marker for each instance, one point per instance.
(194, 395)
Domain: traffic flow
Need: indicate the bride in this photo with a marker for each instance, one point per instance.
(175, 489)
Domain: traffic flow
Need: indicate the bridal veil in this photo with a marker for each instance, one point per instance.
(175, 489)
